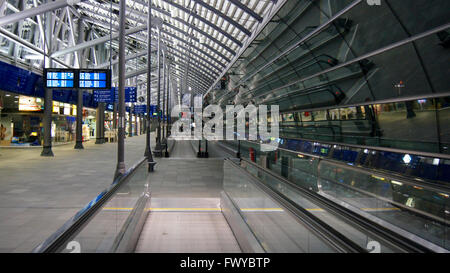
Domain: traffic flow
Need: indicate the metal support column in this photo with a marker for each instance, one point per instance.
(164, 101)
(79, 131)
(48, 106)
(130, 121)
(166, 109)
(100, 126)
(168, 101)
(48, 103)
(136, 123)
(158, 147)
(148, 150)
(238, 155)
(98, 132)
(115, 121)
(141, 125)
(120, 169)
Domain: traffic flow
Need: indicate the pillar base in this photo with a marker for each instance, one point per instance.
(47, 151)
(79, 145)
(158, 149)
(100, 141)
(120, 170)
(151, 166)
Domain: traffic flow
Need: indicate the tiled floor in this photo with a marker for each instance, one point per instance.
(187, 232)
(192, 187)
(39, 194)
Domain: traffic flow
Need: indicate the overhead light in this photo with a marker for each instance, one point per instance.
(407, 159)
(8, 95)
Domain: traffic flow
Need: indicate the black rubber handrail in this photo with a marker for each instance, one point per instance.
(434, 185)
(316, 225)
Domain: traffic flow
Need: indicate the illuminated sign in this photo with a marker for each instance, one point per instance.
(94, 79)
(77, 78)
(56, 107)
(29, 104)
(66, 109)
(60, 78)
(112, 95)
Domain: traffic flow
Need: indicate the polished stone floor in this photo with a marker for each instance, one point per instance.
(185, 212)
(39, 194)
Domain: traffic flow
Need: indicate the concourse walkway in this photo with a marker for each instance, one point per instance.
(219, 204)
(185, 207)
(39, 194)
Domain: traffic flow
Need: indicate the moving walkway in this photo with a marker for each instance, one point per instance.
(216, 205)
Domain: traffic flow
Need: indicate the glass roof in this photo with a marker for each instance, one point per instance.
(201, 36)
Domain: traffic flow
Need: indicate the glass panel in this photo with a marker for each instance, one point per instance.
(389, 200)
(443, 115)
(401, 202)
(359, 236)
(99, 233)
(275, 228)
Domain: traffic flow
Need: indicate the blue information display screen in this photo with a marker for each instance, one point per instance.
(60, 79)
(94, 79)
(92, 84)
(78, 78)
(100, 76)
(140, 109)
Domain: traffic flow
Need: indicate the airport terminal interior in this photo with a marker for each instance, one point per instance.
(224, 126)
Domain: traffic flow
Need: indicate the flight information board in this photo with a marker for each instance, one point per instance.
(94, 79)
(140, 109)
(112, 95)
(61, 78)
(78, 78)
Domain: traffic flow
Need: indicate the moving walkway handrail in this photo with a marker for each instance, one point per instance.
(82, 217)
(430, 185)
(316, 225)
(128, 236)
(397, 239)
(416, 211)
(435, 185)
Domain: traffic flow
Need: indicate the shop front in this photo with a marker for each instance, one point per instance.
(89, 124)
(21, 121)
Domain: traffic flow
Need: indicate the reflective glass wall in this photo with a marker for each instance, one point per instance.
(332, 54)
(418, 125)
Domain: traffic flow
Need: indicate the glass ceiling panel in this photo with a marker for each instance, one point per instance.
(206, 33)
